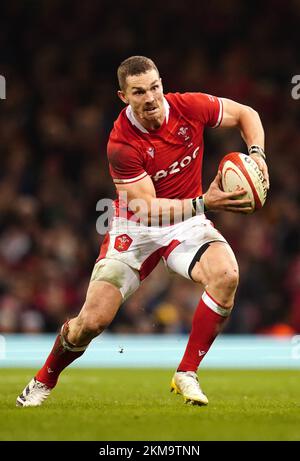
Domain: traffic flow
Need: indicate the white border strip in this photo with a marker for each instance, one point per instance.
(2, 348)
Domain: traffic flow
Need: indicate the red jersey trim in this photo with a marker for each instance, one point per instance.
(220, 116)
(128, 181)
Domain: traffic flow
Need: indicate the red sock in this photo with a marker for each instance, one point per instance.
(58, 359)
(208, 321)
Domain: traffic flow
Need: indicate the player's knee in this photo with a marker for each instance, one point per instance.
(227, 279)
(92, 324)
(223, 285)
(93, 327)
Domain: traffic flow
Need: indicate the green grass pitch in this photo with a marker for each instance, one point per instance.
(135, 404)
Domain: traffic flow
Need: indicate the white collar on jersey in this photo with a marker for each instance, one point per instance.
(133, 120)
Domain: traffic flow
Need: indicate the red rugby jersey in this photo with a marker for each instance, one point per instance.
(171, 155)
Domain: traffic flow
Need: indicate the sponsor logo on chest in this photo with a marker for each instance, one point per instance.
(176, 167)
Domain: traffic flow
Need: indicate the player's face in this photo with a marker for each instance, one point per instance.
(144, 93)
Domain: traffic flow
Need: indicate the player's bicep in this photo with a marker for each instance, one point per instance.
(231, 113)
(142, 189)
(126, 163)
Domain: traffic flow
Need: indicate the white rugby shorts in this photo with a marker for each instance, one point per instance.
(130, 251)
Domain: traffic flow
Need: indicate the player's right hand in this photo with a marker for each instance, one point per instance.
(216, 199)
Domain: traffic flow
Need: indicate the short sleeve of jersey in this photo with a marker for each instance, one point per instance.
(203, 107)
(125, 163)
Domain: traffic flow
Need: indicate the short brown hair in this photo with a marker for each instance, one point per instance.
(135, 65)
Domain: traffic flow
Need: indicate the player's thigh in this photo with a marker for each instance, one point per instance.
(119, 274)
(103, 301)
(112, 282)
(217, 265)
(197, 236)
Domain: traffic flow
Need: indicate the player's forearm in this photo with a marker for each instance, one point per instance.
(163, 211)
(251, 127)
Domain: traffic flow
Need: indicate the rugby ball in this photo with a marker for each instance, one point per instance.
(240, 171)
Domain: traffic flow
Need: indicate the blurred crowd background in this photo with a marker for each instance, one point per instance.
(59, 59)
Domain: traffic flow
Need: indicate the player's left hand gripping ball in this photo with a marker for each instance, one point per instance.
(261, 162)
(240, 171)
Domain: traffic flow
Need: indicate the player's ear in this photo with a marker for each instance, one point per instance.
(122, 96)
